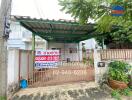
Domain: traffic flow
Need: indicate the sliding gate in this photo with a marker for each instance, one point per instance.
(65, 71)
(61, 75)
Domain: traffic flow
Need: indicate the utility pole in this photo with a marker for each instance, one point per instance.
(5, 10)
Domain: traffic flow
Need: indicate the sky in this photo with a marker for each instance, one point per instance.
(46, 9)
(39, 9)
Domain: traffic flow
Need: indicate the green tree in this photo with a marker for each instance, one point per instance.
(100, 12)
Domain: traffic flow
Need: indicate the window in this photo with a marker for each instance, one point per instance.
(57, 49)
(72, 50)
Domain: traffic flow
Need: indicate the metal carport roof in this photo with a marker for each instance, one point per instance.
(57, 30)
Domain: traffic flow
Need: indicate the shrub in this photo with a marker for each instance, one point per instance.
(118, 71)
(116, 94)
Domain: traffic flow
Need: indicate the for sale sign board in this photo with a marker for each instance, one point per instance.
(46, 58)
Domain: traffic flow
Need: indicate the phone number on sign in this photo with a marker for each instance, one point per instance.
(47, 58)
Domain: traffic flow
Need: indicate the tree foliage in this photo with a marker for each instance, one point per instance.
(100, 12)
(83, 9)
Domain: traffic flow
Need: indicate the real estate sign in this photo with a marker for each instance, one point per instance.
(46, 58)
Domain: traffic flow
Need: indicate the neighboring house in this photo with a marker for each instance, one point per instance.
(90, 43)
(68, 51)
(21, 38)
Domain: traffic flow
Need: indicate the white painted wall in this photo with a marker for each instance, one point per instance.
(13, 56)
(38, 45)
(91, 44)
(65, 48)
(73, 56)
(21, 38)
(99, 71)
(13, 65)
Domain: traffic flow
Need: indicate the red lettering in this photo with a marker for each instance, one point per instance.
(47, 58)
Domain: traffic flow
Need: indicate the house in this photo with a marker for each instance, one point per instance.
(69, 43)
(21, 38)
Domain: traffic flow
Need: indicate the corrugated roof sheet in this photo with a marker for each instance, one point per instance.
(57, 30)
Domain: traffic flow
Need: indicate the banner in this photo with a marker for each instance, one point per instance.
(46, 58)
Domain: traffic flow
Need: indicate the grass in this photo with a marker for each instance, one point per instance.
(2, 98)
(118, 93)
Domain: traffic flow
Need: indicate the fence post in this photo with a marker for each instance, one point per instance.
(28, 65)
(97, 69)
(125, 50)
(19, 65)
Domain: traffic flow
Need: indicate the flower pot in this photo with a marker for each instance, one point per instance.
(114, 84)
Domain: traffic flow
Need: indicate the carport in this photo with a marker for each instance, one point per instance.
(59, 31)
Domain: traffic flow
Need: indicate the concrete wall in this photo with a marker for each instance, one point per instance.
(25, 60)
(100, 71)
(13, 66)
(12, 70)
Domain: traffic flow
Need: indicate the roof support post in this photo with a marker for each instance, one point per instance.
(33, 49)
(78, 52)
(103, 43)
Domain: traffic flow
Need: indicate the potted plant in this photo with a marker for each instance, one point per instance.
(117, 74)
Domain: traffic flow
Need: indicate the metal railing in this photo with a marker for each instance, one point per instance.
(61, 75)
(116, 54)
(71, 67)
